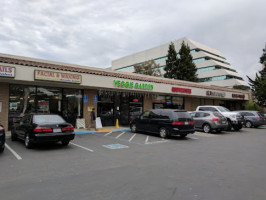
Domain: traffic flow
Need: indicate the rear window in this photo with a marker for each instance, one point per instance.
(217, 114)
(48, 119)
(179, 115)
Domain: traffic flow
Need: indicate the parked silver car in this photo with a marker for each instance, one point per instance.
(209, 121)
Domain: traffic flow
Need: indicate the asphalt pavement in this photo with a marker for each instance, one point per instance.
(118, 164)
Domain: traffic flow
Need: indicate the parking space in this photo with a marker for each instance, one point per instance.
(102, 142)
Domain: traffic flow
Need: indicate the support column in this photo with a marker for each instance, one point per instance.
(89, 104)
(147, 102)
(4, 100)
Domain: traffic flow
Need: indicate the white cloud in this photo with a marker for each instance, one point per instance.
(95, 32)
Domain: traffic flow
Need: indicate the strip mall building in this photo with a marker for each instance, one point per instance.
(32, 85)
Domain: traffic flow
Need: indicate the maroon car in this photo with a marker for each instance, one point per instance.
(2, 138)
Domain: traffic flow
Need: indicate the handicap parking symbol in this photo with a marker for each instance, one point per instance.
(115, 146)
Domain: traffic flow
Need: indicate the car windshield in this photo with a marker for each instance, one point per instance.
(48, 119)
(179, 115)
(223, 109)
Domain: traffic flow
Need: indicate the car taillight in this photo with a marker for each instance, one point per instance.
(68, 128)
(215, 119)
(2, 128)
(178, 123)
(42, 130)
(259, 118)
(191, 122)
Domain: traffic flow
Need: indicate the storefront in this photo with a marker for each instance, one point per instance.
(25, 99)
(30, 85)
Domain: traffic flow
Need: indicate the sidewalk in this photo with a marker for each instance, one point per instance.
(104, 129)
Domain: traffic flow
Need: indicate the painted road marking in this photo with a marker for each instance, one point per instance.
(132, 137)
(108, 133)
(120, 135)
(115, 146)
(155, 142)
(147, 138)
(193, 138)
(13, 152)
(81, 147)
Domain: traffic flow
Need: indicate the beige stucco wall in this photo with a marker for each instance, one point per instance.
(4, 99)
(87, 105)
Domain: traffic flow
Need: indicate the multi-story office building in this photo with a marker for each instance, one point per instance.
(212, 66)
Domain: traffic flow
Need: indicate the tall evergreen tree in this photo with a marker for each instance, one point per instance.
(148, 68)
(258, 85)
(171, 63)
(180, 67)
(186, 66)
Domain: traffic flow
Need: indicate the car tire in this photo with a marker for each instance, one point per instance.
(2, 149)
(206, 128)
(248, 124)
(27, 142)
(183, 136)
(236, 127)
(229, 127)
(133, 128)
(163, 133)
(13, 135)
(65, 142)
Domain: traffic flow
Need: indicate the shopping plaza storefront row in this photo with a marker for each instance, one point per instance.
(30, 85)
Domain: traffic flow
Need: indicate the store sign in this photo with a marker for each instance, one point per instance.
(239, 96)
(215, 94)
(131, 85)
(7, 71)
(57, 76)
(181, 90)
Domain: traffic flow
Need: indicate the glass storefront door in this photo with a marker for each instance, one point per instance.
(36, 99)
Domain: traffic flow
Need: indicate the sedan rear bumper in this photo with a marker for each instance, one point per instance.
(52, 137)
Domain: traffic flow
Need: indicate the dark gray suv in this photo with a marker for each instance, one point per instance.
(165, 122)
(252, 118)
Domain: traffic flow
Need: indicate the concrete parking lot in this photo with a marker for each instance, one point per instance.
(119, 164)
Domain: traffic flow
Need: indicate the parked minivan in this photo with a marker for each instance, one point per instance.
(165, 122)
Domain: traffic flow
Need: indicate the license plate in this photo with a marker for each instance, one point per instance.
(186, 123)
(57, 130)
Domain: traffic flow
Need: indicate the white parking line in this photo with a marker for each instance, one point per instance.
(81, 147)
(193, 138)
(13, 152)
(132, 137)
(108, 133)
(146, 141)
(120, 135)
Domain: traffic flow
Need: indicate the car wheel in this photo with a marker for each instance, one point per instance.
(229, 127)
(248, 124)
(27, 142)
(183, 136)
(163, 133)
(206, 128)
(65, 142)
(2, 149)
(236, 128)
(133, 128)
(13, 135)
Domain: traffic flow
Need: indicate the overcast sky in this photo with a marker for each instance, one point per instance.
(93, 33)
